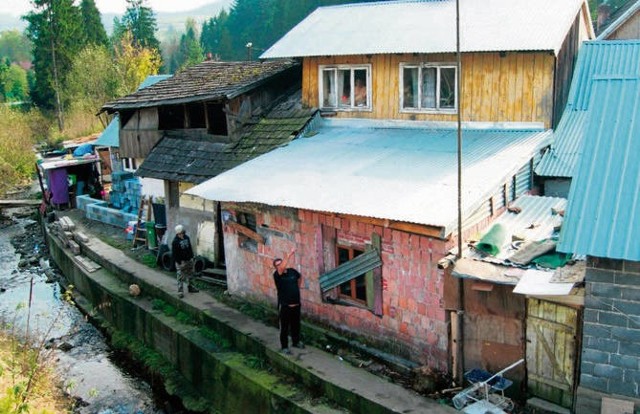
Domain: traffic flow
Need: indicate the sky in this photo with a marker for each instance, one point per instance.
(20, 7)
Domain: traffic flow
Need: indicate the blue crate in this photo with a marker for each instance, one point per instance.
(478, 375)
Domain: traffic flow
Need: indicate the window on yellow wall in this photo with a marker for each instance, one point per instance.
(428, 87)
(345, 87)
(356, 288)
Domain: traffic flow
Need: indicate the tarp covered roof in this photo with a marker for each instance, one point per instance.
(405, 171)
(429, 26)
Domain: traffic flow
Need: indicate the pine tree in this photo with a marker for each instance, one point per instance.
(189, 50)
(92, 24)
(54, 29)
(140, 20)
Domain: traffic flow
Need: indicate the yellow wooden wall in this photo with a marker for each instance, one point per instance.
(515, 88)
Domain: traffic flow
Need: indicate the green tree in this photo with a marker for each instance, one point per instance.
(140, 21)
(134, 64)
(15, 45)
(93, 80)
(92, 24)
(215, 37)
(189, 50)
(14, 84)
(55, 30)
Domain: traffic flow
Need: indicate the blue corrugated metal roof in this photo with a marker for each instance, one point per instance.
(405, 171)
(110, 135)
(596, 59)
(428, 26)
(603, 213)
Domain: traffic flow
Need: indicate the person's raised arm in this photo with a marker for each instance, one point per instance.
(285, 261)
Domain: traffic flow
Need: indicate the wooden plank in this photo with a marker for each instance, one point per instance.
(246, 231)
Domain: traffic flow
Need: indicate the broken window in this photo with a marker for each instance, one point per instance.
(345, 87)
(217, 119)
(356, 288)
(247, 231)
(428, 87)
(357, 279)
(170, 117)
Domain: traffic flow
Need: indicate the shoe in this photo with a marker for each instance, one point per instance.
(180, 295)
(299, 345)
(286, 351)
(192, 289)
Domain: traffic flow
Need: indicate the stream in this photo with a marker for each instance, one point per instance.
(91, 372)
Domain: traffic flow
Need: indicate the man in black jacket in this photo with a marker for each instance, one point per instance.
(183, 258)
(287, 282)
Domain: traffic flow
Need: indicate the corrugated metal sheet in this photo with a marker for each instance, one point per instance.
(390, 170)
(429, 26)
(603, 214)
(596, 60)
(537, 220)
(351, 269)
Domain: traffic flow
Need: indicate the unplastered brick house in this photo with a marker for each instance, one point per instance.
(368, 196)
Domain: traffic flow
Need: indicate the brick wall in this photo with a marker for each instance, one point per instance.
(611, 337)
(413, 322)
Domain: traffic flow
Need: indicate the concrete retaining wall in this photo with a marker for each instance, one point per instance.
(220, 377)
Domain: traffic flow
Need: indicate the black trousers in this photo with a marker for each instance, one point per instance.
(289, 322)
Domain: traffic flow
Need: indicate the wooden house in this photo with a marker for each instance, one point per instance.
(368, 195)
(198, 123)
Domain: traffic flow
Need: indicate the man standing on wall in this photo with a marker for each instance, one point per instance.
(183, 258)
(288, 286)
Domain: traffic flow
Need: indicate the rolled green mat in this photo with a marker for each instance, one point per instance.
(493, 240)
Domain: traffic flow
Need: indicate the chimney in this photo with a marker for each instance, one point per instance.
(604, 11)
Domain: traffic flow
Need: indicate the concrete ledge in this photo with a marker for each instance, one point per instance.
(321, 374)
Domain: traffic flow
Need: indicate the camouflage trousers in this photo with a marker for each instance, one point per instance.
(184, 273)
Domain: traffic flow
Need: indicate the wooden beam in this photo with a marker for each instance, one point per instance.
(420, 229)
(246, 231)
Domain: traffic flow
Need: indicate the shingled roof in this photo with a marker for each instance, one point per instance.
(195, 159)
(209, 80)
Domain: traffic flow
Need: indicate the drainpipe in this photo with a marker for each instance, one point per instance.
(460, 335)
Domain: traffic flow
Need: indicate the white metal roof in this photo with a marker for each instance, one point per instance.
(429, 26)
(397, 171)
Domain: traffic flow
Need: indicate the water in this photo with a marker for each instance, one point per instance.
(88, 368)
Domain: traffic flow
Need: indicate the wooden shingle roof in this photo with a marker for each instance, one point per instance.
(209, 80)
(193, 159)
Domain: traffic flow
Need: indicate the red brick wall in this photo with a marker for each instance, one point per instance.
(413, 323)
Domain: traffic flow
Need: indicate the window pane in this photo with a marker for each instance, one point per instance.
(410, 88)
(361, 288)
(447, 88)
(429, 87)
(360, 87)
(344, 86)
(328, 88)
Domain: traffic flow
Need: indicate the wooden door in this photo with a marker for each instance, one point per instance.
(552, 351)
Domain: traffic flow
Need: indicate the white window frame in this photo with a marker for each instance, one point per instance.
(420, 66)
(129, 164)
(351, 68)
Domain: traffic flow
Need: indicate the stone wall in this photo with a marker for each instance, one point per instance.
(611, 336)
